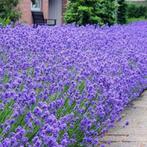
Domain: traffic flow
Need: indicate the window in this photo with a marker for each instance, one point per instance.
(36, 5)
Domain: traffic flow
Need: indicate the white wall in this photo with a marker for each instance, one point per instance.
(55, 10)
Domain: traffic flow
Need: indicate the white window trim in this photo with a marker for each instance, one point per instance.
(36, 9)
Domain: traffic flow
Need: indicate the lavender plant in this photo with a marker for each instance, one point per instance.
(66, 86)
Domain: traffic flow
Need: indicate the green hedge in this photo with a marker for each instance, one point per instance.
(122, 12)
(136, 11)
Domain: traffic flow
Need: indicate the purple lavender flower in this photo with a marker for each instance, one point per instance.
(66, 85)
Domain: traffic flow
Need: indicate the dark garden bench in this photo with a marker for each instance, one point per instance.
(38, 19)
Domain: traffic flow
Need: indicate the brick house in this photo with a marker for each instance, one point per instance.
(52, 9)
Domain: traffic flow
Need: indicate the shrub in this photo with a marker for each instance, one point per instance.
(66, 86)
(122, 12)
(91, 12)
(4, 22)
(137, 11)
(8, 10)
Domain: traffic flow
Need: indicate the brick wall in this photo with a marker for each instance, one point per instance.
(25, 9)
(45, 4)
(64, 5)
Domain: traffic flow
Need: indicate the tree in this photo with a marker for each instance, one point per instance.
(84, 12)
(8, 9)
(122, 12)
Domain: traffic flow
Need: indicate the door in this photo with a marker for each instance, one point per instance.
(55, 10)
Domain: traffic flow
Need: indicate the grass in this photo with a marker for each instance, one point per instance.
(136, 19)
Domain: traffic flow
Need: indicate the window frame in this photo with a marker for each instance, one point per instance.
(36, 9)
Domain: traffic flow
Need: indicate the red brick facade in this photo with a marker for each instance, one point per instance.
(64, 5)
(25, 9)
(45, 4)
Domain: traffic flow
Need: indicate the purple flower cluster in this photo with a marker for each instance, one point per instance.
(66, 86)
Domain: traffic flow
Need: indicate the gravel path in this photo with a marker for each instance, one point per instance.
(135, 133)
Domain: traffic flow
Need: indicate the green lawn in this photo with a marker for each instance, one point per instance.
(136, 19)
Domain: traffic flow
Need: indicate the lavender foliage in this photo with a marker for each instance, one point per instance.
(66, 86)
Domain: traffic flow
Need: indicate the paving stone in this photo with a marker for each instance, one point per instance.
(128, 144)
(135, 134)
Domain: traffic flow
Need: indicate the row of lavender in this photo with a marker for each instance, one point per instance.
(66, 86)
